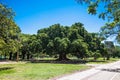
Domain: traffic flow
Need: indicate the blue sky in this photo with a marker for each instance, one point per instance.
(32, 15)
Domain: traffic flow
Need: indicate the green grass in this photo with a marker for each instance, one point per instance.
(43, 71)
(36, 71)
(101, 61)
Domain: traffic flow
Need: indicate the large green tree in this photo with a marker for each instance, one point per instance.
(58, 40)
(9, 31)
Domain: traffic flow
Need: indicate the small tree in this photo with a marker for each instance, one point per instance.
(110, 48)
(96, 55)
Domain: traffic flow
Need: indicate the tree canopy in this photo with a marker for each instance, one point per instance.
(106, 9)
(9, 31)
(62, 40)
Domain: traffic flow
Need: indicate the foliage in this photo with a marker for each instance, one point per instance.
(63, 40)
(106, 9)
(9, 31)
(110, 48)
(96, 55)
(116, 52)
(79, 48)
(110, 8)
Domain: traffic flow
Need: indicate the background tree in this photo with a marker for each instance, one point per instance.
(9, 31)
(117, 52)
(110, 49)
(36, 46)
(43, 39)
(25, 45)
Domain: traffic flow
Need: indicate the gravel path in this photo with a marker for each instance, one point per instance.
(8, 62)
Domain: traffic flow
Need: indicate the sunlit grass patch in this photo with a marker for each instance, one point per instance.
(37, 71)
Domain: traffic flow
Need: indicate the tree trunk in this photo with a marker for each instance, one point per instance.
(14, 56)
(17, 56)
(108, 57)
(62, 57)
(23, 56)
(28, 56)
(95, 58)
(0, 57)
(31, 56)
(5, 56)
(10, 56)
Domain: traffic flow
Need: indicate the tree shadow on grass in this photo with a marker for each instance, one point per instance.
(99, 61)
(6, 68)
(60, 62)
(117, 70)
(70, 61)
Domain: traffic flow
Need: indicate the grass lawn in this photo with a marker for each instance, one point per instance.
(36, 71)
(101, 61)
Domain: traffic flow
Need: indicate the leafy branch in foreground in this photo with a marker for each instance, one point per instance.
(106, 9)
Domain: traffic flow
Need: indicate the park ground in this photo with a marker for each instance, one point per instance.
(42, 71)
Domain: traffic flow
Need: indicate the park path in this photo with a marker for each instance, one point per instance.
(9, 62)
(109, 71)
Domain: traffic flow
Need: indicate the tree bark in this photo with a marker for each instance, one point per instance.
(17, 56)
(5, 56)
(23, 55)
(10, 56)
(28, 56)
(95, 58)
(14, 56)
(62, 57)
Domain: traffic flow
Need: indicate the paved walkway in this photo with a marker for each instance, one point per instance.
(109, 71)
(7, 62)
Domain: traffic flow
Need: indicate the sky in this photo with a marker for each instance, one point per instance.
(32, 15)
